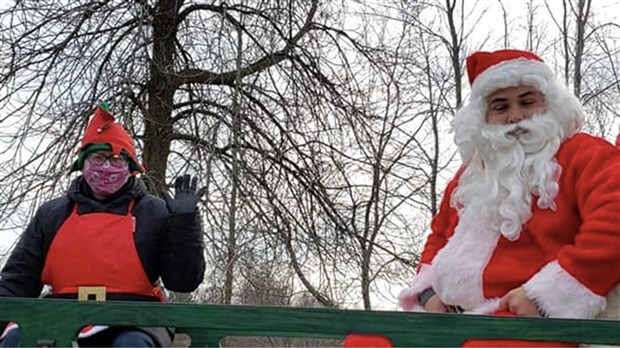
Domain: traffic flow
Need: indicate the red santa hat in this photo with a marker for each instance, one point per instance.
(103, 130)
(491, 71)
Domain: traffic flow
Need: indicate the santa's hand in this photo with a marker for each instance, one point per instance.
(517, 302)
(434, 304)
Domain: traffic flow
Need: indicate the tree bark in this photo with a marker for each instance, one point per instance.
(158, 121)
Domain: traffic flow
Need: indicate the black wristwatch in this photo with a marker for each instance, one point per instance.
(425, 295)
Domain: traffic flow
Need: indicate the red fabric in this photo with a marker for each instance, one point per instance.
(103, 130)
(582, 234)
(576, 234)
(479, 61)
(96, 249)
(362, 340)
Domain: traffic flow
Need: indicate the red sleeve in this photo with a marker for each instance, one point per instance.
(441, 224)
(576, 283)
(594, 259)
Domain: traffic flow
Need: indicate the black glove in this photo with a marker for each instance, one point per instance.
(185, 196)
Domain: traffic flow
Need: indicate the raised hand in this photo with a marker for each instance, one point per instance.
(186, 195)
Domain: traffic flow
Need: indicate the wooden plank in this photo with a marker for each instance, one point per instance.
(60, 319)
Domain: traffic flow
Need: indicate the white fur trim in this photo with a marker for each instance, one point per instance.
(612, 312)
(418, 309)
(408, 298)
(559, 100)
(458, 267)
(559, 295)
(488, 307)
(513, 73)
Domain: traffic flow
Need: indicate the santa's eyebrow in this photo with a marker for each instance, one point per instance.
(504, 99)
(526, 94)
(497, 100)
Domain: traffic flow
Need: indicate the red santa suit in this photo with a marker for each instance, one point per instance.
(566, 258)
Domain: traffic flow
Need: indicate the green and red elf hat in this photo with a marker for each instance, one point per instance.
(103, 133)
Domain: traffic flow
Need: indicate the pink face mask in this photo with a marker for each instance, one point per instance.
(105, 179)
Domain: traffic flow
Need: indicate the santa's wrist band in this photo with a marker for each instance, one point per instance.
(425, 295)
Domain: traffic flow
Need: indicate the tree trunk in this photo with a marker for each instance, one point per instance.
(583, 12)
(455, 51)
(158, 121)
(232, 218)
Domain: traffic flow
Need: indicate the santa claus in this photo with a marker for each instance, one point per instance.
(530, 225)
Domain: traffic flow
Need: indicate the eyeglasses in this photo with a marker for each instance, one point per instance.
(99, 159)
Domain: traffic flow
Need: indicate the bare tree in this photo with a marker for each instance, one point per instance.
(318, 128)
(162, 65)
(581, 19)
(589, 61)
(263, 285)
(505, 21)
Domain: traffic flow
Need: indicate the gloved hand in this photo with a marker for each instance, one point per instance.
(185, 195)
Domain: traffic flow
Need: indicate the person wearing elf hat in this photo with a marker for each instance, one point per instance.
(529, 224)
(109, 238)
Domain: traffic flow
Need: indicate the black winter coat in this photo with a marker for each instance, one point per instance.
(169, 245)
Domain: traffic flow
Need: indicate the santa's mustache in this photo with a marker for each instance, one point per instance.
(514, 130)
(532, 133)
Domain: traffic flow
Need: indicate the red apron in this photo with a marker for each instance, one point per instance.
(97, 249)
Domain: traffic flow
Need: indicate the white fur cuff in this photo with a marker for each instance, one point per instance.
(513, 73)
(559, 295)
(408, 298)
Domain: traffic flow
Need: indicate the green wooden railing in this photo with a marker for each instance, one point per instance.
(45, 321)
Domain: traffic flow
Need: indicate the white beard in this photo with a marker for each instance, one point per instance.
(504, 171)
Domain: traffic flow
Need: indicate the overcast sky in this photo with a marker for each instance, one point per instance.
(491, 25)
